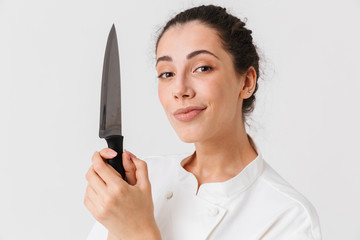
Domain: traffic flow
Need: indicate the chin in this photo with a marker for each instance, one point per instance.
(188, 136)
(188, 140)
(189, 133)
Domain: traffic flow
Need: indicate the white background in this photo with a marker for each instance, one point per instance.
(306, 120)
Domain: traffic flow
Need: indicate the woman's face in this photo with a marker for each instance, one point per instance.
(195, 70)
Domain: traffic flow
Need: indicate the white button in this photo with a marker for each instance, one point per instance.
(169, 195)
(213, 212)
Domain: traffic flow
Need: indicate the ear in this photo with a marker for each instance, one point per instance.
(249, 83)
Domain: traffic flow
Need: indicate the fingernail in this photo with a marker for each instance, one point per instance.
(111, 153)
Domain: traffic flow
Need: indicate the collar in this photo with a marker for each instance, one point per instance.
(218, 191)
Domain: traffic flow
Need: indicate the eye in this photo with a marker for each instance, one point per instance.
(166, 75)
(203, 69)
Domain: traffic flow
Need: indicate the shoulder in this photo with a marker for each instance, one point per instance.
(294, 210)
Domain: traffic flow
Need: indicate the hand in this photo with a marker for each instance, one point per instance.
(125, 209)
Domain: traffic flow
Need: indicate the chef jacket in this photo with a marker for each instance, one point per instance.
(255, 204)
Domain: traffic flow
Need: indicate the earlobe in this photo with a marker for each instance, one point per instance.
(246, 93)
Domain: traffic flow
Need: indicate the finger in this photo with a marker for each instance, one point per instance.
(91, 193)
(89, 202)
(129, 167)
(107, 173)
(141, 171)
(95, 181)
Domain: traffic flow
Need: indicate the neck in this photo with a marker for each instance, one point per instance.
(221, 157)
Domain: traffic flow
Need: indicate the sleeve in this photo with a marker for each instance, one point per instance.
(98, 232)
(295, 223)
(306, 224)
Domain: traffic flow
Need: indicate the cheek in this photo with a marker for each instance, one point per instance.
(222, 100)
(214, 92)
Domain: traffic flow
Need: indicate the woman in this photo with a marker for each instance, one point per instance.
(208, 69)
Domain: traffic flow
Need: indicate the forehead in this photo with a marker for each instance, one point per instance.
(183, 38)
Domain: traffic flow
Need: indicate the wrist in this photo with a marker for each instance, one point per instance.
(153, 233)
(112, 237)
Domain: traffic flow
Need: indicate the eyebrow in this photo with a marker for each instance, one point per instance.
(189, 56)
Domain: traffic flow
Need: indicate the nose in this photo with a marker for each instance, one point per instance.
(182, 88)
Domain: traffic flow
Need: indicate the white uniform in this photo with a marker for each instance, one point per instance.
(255, 204)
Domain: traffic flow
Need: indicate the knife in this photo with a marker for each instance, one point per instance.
(110, 103)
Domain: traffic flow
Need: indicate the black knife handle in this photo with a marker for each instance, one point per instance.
(116, 143)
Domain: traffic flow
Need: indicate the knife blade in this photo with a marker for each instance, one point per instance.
(110, 104)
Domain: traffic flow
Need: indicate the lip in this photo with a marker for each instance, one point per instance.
(189, 113)
(188, 109)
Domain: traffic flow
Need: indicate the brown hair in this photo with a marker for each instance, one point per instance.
(236, 40)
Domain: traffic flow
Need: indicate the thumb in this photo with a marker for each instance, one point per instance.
(141, 171)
